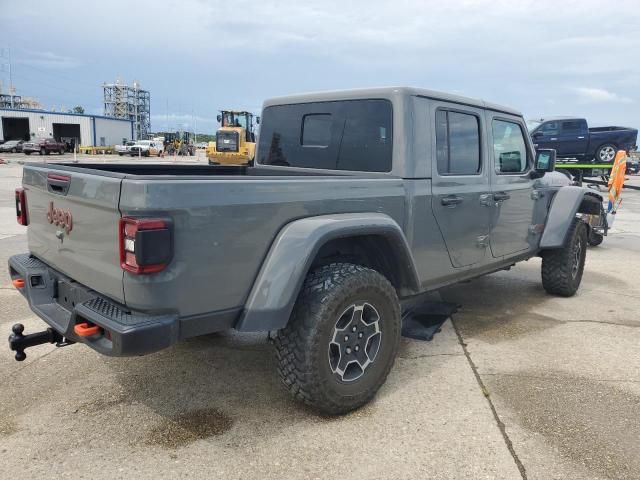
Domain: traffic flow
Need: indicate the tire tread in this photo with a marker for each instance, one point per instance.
(300, 336)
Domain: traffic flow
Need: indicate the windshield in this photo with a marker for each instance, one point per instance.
(232, 119)
(144, 142)
(533, 124)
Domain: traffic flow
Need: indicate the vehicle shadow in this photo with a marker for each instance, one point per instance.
(500, 307)
(206, 386)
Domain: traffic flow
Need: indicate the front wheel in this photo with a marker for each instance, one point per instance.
(342, 338)
(594, 239)
(606, 153)
(562, 268)
(42, 151)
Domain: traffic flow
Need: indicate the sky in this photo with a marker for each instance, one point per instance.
(195, 57)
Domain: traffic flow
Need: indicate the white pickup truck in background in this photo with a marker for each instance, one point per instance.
(124, 149)
(146, 148)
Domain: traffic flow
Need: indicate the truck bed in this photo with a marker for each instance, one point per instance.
(224, 220)
(144, 171)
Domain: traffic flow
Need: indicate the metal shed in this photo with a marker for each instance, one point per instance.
(79, 129)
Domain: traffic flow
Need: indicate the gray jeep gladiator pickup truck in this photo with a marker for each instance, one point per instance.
(358, 201)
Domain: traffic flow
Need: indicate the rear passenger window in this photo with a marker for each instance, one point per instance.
(509, 147)
(457, 143)
(572, 126)
(353, 135)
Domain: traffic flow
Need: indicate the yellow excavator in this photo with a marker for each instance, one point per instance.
(235, 140)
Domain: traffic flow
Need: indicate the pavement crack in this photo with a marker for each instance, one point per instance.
(485, 392)
(606, 322)
(16, 372)
(413, 357)
(559, 377)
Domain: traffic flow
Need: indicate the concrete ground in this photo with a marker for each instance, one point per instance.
(520, 385)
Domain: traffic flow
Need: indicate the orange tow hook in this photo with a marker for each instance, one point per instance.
(86, 330)
(18, 282)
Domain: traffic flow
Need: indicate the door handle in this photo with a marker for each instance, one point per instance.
(501, 196)
(554, 138)
(580, 138)
(451, 200)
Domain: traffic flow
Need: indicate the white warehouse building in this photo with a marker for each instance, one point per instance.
(76, 129)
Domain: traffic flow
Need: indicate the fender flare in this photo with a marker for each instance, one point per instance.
(292, 253)
(567, 202)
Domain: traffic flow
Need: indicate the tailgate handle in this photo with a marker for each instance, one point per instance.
(58, 184)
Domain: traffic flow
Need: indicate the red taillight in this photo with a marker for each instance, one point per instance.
(146, 244)
(21, 207)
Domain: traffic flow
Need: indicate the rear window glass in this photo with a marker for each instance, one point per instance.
(316, 130)
(352, 135)
(457, 143)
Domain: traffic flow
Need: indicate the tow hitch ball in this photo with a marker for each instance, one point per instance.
(19, 342)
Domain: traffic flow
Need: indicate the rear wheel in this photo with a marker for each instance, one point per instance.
(562, 268)
(13, 150)
(342, 338)
(42, 151)
(606, 153)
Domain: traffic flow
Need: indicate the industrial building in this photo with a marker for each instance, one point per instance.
(77, 129)
(130, 103)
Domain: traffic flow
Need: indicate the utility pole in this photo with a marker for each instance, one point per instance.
(11, 89)
(195, 127)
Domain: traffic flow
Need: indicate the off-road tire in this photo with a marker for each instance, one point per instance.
(302, 347)
(594, 239)
(562, 268)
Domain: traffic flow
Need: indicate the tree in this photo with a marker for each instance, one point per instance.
(77, 109)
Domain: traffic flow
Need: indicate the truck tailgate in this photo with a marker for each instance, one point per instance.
(84, 243)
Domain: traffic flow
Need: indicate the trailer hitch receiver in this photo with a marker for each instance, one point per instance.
(19, 342)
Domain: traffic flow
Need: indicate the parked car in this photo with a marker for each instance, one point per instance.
(12, 146)
(146, 148)
(201, 145)
(358, 201)
(572, 138)
(43, 146)
(124, 149)
(633, 166)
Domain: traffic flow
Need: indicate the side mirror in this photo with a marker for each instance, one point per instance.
(545, 160)
(219, 118)
(258, 120)
(538, 135)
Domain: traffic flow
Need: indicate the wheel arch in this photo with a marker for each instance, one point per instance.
(374, 240)
(567, 202)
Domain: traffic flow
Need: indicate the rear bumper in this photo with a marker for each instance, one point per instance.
(124, 332)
